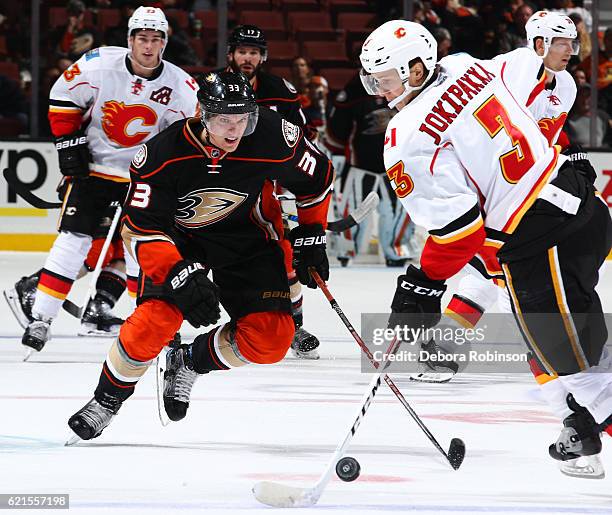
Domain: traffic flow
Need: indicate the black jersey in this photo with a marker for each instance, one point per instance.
(360, 121)
(182, 190)
(279, 95)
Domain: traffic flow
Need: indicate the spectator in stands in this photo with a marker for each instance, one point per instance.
(445, 41)
(579, 121)
(579, 77)
(604, 72)
(465, 25)
(315, 109)
(117, 36)
(568, 7)
(13, 108)
(178, 50)
(584, 38)
(423, 13)
(75, 38)
(515, 35)
(301, 73)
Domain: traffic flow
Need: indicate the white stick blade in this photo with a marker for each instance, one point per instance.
(366, 207)
(283, 496)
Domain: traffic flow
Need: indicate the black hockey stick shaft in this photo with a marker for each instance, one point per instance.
(456, 451)
(26, 194)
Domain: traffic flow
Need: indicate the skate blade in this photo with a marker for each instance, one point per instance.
(72, 439)
(160, 368)
(93, 331)
(27, 353)
(432, 377)
(312, 355)
(12, 299)
(585, 467)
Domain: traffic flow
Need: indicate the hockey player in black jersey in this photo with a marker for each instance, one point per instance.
(247, 50)
(199, 201)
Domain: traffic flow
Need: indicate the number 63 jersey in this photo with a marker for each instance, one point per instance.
(183, 190)
(117, 109)
(466, 157)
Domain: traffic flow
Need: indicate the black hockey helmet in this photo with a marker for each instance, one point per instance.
(248, 35)
(227, 93)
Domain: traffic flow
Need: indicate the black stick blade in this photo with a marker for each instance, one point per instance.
(456, 453)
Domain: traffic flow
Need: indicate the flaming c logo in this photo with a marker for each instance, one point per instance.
(118, 116)
(400, 33)
(550, 127)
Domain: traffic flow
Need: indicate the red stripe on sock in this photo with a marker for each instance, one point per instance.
(55, 283)
(465, 310)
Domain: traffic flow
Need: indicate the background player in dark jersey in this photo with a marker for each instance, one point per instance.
(247, 50)
(199, 200)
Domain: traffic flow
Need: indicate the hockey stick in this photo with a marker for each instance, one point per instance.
(355, 217)
(10, 175)
(456, 450)
(284, 496)
(70, 306)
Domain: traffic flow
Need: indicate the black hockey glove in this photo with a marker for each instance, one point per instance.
(309, 243)
(73, 154)
(580, 161)
(193, 293)
(419, 295)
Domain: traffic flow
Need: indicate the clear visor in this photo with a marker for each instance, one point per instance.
(380, 83)
(230, 125)
(565, 44)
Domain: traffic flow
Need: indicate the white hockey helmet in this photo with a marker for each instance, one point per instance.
(390, 48)
(549, 25)
(148, 18)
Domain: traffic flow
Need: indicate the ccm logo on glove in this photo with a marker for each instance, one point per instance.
(421, 290)
(311, 240)
(178, 281)
(82, 140)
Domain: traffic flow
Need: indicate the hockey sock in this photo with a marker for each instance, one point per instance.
(120, 373)
(216, 350)
(295, 291)
(59, 272)
(464, 311)
(111, 284)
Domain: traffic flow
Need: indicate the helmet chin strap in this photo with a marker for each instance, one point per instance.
(410, 89)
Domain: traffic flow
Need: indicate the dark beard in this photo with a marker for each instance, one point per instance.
(236, 69)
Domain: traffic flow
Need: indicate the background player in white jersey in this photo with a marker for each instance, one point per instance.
(467, 161)
(101, 109)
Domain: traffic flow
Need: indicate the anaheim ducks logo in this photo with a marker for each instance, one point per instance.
(550, 127)
(119, 122)
(207, 206)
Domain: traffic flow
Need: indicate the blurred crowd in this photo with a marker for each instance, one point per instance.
(483, 28)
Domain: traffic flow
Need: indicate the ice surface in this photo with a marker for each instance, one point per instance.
(280, 423)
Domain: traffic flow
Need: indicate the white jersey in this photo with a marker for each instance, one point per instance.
(121, 110)
(551, 106)
(467, 152)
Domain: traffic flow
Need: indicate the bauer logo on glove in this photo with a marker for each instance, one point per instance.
(178, 281)
(312, 240)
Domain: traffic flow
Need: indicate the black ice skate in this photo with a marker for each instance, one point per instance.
(579, 436)
(175, 379)
(21, 299)
(36, 335)
(98, 319)
(304, 344)
(438, 371)
(91, 419)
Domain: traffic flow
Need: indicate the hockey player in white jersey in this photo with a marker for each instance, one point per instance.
(468, 162)
(101, 110)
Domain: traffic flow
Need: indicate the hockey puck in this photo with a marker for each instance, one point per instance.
(348, 469)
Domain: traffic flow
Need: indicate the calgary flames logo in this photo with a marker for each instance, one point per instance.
(207, 206)
(117, 117)
(550, 127)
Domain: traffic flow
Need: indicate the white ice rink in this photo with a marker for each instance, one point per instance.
(280, 423)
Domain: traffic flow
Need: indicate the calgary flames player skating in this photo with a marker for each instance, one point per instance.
(200, 199)
(101, 110)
